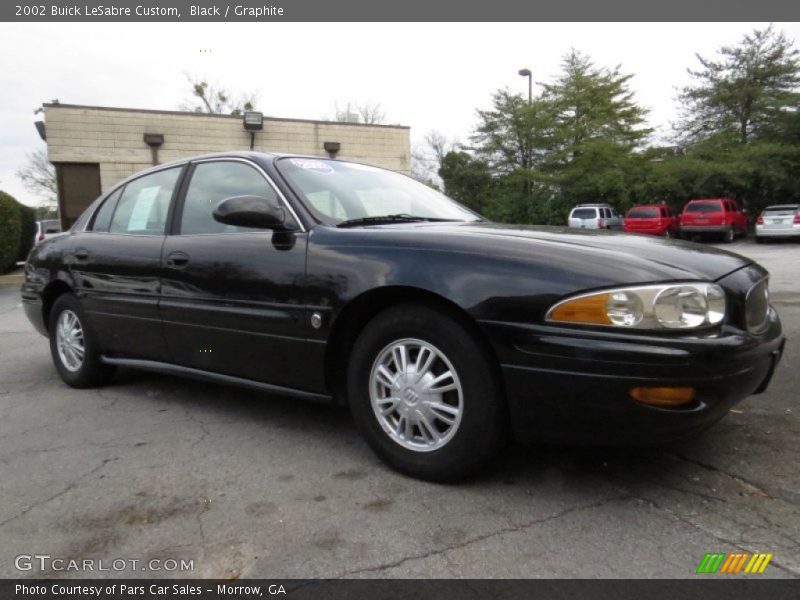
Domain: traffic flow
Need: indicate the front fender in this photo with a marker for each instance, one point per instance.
(484, 285)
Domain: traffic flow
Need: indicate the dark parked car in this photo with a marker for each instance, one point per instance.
(45, 230)
(331, 280)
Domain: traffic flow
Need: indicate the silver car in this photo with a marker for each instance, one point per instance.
(594, 216)
(778, 221)
(46, 229)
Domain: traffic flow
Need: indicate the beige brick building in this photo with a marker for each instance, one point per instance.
(95, 147)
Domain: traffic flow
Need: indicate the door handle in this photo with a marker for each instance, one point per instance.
(177, 260)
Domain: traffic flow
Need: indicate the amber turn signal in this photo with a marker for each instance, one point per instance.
(663, 396)
(588, 309)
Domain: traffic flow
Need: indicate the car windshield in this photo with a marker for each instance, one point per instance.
(643, 213)
(339, 192)
(584, 213)
(704, 207)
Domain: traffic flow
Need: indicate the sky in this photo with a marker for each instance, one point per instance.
(430, 76)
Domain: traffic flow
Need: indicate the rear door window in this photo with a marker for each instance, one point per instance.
(144, 204)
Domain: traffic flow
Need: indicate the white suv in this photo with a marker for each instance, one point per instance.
(594, 216)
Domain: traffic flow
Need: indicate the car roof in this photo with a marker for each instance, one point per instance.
(782, 206)
(258, 157)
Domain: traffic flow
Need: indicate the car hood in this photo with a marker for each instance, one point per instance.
(607, 255)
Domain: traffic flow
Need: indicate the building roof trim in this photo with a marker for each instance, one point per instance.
(187, 113)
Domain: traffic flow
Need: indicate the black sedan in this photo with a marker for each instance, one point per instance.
(445, 333)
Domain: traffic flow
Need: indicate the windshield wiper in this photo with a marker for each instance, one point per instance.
(400, 218)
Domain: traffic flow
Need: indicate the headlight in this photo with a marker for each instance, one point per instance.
(665, 306)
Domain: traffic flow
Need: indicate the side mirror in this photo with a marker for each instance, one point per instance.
(250, 211)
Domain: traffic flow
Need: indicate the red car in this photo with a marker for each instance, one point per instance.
(718, 216)
(653, 219)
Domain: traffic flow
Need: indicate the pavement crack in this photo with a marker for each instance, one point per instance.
(776, 563)
(66, 490)
(201, 424)
(486, 536)
(748, 485)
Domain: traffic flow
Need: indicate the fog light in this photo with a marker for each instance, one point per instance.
(663, 396)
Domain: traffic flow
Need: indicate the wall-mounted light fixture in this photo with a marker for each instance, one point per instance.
(41, 129)
(253, 121)
(40, 124)
(332, 148)
(154, 140)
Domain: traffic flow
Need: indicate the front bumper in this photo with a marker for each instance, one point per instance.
(571, 385)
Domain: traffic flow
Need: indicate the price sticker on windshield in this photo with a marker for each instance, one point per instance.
(317, 166)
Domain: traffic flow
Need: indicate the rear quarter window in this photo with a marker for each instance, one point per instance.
(102, 218)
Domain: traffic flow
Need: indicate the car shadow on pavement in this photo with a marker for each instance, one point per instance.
(707, 466)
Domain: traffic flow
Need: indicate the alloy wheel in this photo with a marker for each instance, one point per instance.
(416, 395)
(70, 341)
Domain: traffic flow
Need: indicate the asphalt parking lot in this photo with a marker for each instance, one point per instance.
(249, 485)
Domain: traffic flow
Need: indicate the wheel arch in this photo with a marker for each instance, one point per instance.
(357, 313)
(50, 294)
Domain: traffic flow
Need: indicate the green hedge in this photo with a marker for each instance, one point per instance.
(27, 231)
(10, 231)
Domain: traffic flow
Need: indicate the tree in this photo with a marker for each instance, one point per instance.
(427, 158)
(578, 141)
(741, 127)
(466, 179)
(10, 231)
(366, 114)
(212, 99)
(39, 177)
(741, 92)
(598, 127)
(512, 133)
(593, 103)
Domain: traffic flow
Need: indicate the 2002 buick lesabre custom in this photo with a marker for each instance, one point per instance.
(333, 280)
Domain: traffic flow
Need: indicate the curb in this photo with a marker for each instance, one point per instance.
(16, 277)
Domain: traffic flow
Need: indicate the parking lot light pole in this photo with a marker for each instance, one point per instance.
(527, 162)
(527, 73)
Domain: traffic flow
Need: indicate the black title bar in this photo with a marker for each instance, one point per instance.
(711, 588)
(398, 10)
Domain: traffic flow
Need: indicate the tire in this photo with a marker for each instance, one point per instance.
(469, 433)
(759, 240)
(76, 371)
(729, 236)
